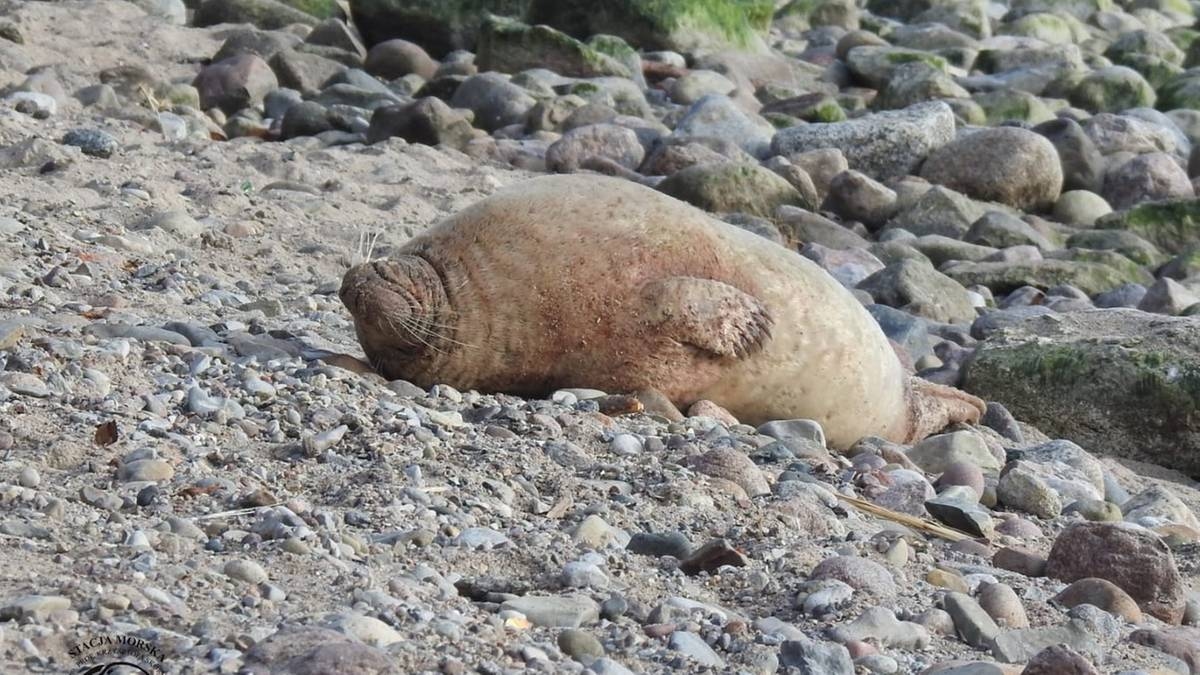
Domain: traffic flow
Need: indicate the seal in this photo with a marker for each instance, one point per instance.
(589, 281)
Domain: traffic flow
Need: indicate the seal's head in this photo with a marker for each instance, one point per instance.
(398, 307)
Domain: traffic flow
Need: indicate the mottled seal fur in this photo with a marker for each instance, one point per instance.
(589, 281)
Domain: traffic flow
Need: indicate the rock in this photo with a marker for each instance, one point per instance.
(495, 101)
(1001, 230)
(580, 645)
(1178, 641)
(367, 629)
(716, 116)
(973, 624)
(848, 266)
(1095, 510)
(1108, 379)
(235, 83)
(307, 650)
(393, 59)
(1089, 271)
(695, 648)
(555, 611)
(265, 14)
(728, 187)
(883, 145)
(1019, 560)
(813, 657)
(1001, 603)
(712, 556)
(938, 211)
(1081, 208)
(92, 142)
(676, 25)
(24, 384)
(922, 290)
(1167, 296)
(428, 121)
(609, 141)
(1172, 225)
(936, 453)
(246, 570)
(304, 72)
(674, 544)
(880, 626)
(1021, 487)
(876, 66)
(1059, 660)
(1081, 162)
(696, 84)
(1134, 559)
(153, 470)
(1112, 89)
(510, 46)
(1150, 177)
(961, 514)
(856, 196)
(1018, 646)
(1103, 594)
(35, 607)
(1005, 164)
(859, 573)
(1156, 506)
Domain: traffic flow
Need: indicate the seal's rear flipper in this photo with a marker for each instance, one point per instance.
(933, 407)
(710, 315)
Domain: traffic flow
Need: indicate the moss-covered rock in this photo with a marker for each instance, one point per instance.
(1124, 242)
(1113, 89)
(509, 46)
(1181, 91)
(1150, 53)
(919, 287)
(680, 25)
(875, 66)
(1081, 9)
(1116, 381)
(1088, 276)
(265, 14)
(1007, 105)
(440, 26)
(800, 15)
(916, 82)
(1171, 225)
(726, 187)
(1056, 29)
(814, 107)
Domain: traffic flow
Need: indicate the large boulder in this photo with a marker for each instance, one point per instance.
(1136, 560)
(725, 187)
(510, 46)
(1172, 225)
(884, 145)
(441, 26)
(678, 25)
(1116, 381)
(1006, 164)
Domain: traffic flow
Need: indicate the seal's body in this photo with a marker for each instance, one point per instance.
(586, 281)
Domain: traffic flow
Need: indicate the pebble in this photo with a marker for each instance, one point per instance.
(92, 142)
(29, 477)
(554, 611)
(151, 470)
(580, 645)
(695, 648)
(971, 621)
(245, 570)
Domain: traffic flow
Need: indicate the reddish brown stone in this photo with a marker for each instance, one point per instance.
(1021, 561)
(1182, 642)
(1103, 594)
(1133, 558)
(1059, 660)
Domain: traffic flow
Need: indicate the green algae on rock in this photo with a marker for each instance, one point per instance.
(1088, 275)
(1172, 225)
(510, 46)
(1116, 381)
(724, 187)
(440, 26)
(679, 25)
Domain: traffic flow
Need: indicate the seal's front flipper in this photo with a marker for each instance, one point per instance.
(710, 315)
(933, 407)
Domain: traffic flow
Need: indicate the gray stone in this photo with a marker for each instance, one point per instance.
(555, 611)
(884, 145)
(813, 657)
